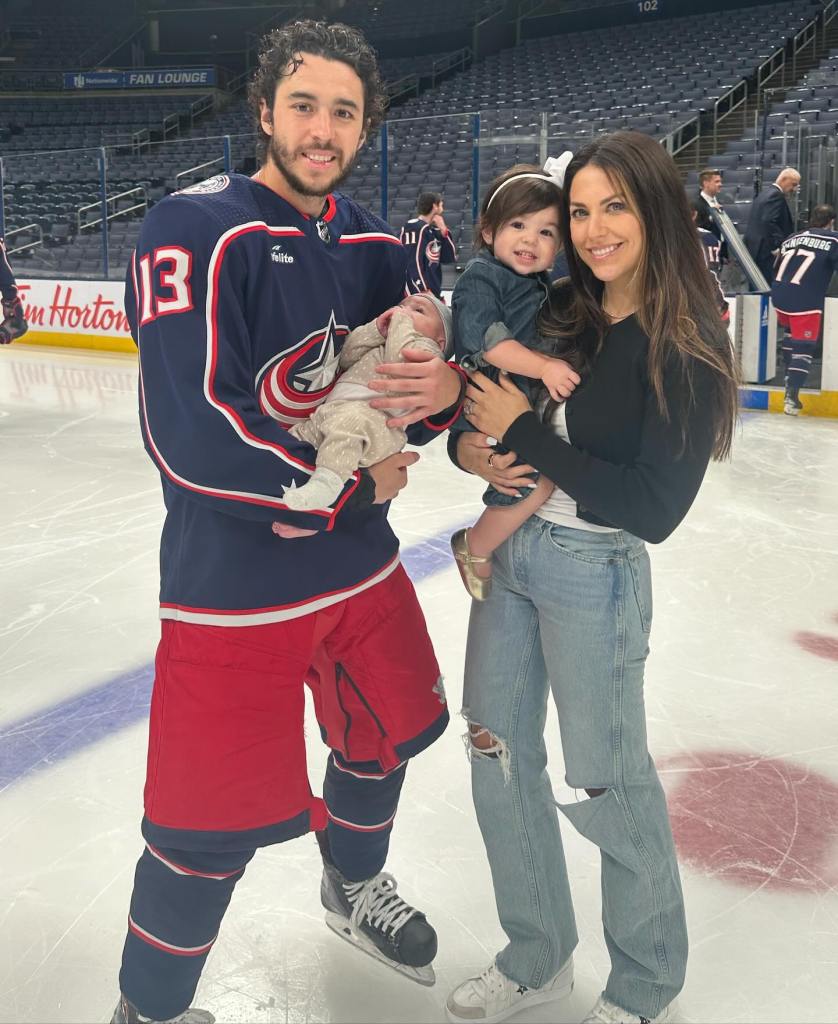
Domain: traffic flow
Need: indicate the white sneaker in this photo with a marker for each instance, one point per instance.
(605, 1012)
(492, 997)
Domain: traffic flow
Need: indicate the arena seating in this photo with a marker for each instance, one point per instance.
(808, 110)
(386, 21)
(80, 122)
(49, 37)
(582, 81)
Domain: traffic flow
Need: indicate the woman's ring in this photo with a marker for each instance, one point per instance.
(468, 406)
(491, 463)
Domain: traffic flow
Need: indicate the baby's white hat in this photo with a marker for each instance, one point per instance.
(447, 322)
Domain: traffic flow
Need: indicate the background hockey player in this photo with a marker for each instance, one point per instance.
(804, 268)
(240, 295)
(712, 248)
(14, 323)
(429, 244)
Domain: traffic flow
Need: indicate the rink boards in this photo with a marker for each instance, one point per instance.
(90, 315)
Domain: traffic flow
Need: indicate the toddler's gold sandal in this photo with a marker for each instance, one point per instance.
(478, 586)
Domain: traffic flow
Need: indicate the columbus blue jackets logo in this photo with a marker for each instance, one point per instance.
(433, 251)
(296, 381)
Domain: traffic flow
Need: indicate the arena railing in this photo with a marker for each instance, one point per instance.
(111, 201)
(685, 135)
(202, 106)
(456, 61)
(239, 83)
(728, 103)
(34, 229)
(807, 36)
(526, 8)
(137, 142)
(402, 88)
(829, 13)
(774, 65)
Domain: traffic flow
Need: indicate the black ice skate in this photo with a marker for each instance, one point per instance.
(374, 918)
(125, 1013)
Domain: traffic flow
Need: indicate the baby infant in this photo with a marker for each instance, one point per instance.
(346, 432)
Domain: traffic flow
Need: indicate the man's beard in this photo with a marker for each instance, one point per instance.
(281, 158)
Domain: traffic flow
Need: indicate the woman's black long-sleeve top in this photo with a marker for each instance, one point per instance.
(626, 466)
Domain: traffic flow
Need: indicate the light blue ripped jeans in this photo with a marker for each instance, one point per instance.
(570, 611)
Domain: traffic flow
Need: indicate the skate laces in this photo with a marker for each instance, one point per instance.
(378, 902)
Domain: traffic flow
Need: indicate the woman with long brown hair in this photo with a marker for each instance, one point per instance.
(572, 587)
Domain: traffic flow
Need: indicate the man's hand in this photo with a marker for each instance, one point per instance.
(390, 475)
(423, 385)
(474, 452)
(439, 222)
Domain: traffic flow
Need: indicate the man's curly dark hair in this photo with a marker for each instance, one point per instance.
(281, 55)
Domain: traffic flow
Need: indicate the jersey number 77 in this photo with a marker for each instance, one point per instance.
(808, 259)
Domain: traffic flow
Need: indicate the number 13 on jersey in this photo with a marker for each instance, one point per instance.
(167, 270)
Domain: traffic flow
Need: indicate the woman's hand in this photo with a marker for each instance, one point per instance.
(493, 408)
(423, 385)
(476, 455)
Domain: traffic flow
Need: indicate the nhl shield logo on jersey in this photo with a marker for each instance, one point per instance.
(296, 381)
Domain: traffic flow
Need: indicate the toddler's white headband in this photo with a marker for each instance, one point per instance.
(554, 170)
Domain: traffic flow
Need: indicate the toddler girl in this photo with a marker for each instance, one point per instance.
(495, 306)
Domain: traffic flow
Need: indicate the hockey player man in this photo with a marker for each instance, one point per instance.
(805, 265)
(240, 294)
(429, 244)
(14, 323)
(711, 247)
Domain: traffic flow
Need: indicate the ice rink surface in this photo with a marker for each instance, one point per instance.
(742, 697)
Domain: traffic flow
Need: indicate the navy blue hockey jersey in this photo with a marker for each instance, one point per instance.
(240, 305)
(712, 248)
(8, 287)
(803, 270)
(427, 249)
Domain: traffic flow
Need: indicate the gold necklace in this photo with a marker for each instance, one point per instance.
(617, 317)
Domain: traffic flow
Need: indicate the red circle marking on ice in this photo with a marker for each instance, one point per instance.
(756, 821)
(818, 643)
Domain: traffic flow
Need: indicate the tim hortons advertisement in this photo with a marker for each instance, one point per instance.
(82, 314)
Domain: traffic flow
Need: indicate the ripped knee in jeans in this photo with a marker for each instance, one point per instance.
(481, 743)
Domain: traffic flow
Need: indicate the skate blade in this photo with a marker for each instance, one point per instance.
(340, 926)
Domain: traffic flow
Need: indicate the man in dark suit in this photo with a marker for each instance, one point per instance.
(770, 221)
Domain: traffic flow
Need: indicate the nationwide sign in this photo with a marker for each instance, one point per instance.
(141, 78)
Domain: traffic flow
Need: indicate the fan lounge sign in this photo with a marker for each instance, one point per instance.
(157, 78)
